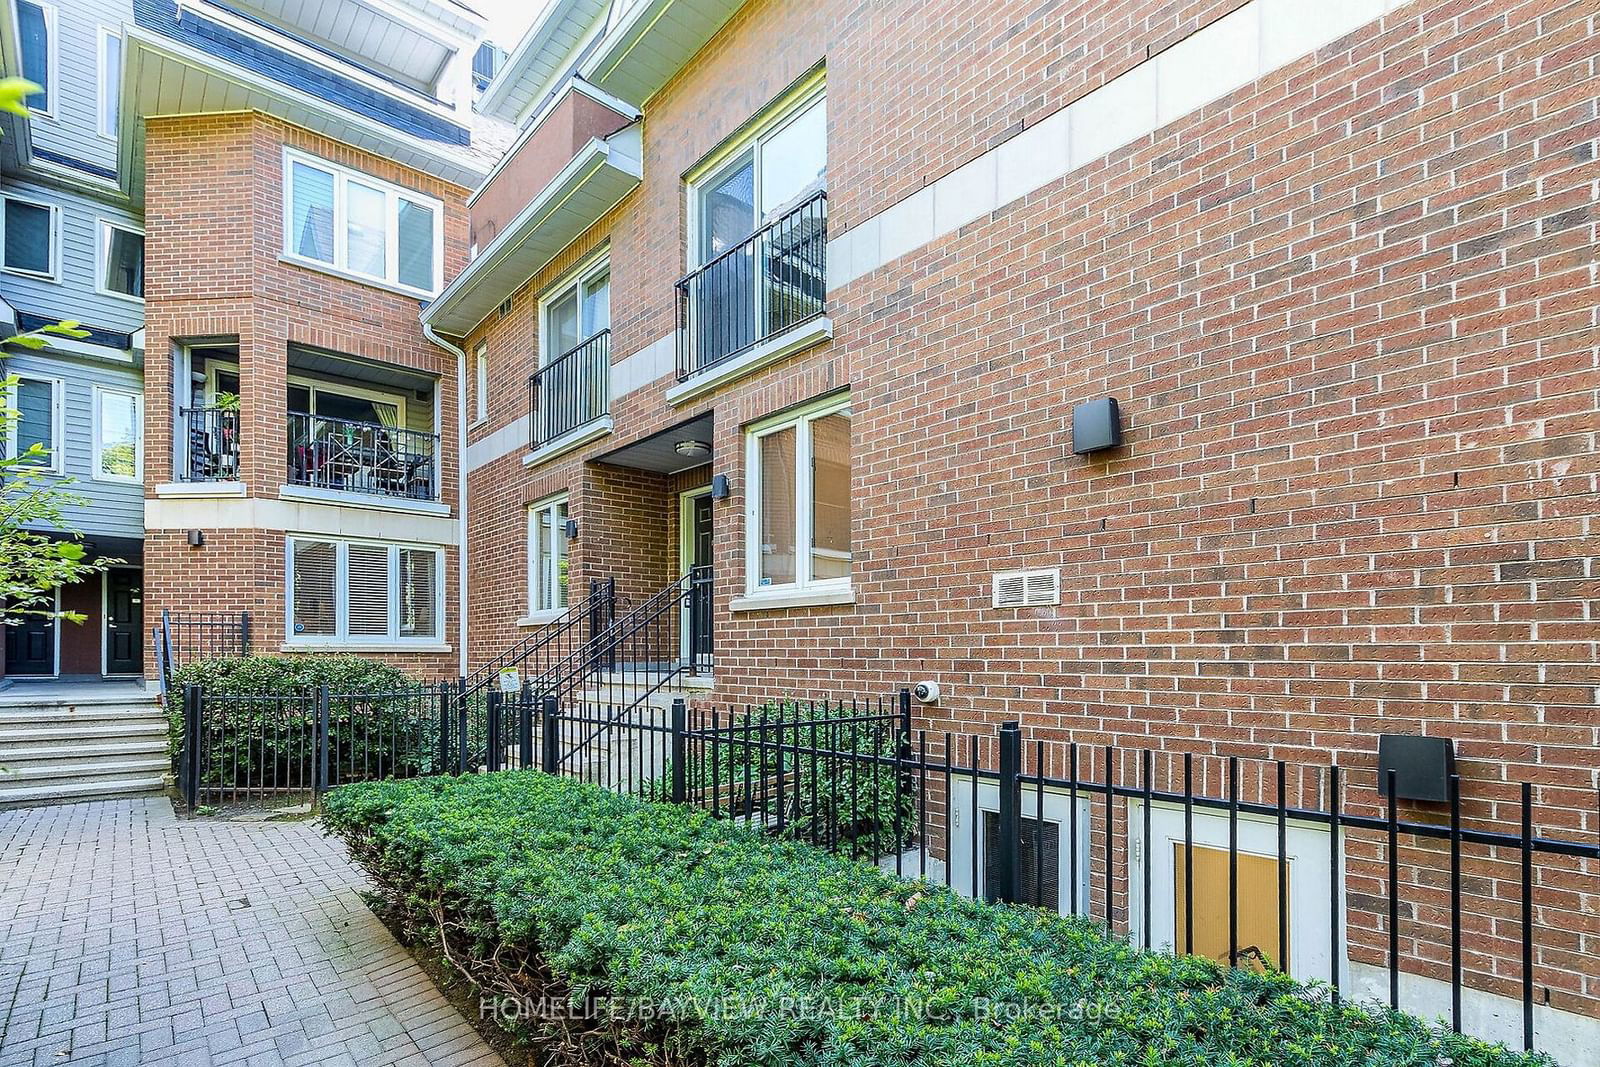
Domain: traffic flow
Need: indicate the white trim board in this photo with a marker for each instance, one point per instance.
(1246, 44)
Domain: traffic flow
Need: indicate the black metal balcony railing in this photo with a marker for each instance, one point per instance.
(570, 391)
(361, 457)
(775, 280)
(211, 444)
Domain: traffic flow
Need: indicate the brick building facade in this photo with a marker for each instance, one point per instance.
(1335, 265)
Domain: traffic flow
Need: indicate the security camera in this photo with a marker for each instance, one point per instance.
(926, 692)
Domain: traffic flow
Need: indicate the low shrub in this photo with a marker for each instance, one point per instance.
(688, 940)
(285, 675)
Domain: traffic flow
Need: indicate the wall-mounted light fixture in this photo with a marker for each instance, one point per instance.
(197, 538)
(1096, 426)
(719, 487)
(1422, 766)
(572, 529)
(690, 449)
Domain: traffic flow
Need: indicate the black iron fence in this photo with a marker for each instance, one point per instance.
(182, 637)
(211, 444)
(361, 457)
(570, 391)
(1193, 853)
(774, 280)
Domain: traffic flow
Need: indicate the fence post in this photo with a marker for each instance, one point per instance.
(680, 751)
(444, 726)
(244, 633)
(1005, 860)
(550, 735)
(525, 725)
(461, 729)
(492, 755)
(189, 763)
(322, 745)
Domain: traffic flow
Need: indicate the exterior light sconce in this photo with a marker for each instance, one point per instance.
(197, 539)
(719, 487)
(1421, 767)
(572, 529)
(1096, 426)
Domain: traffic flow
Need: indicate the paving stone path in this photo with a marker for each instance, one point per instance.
(129, 936)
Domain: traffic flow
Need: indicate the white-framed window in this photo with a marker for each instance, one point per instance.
(480, 381)
(363, 592)
(342, 220)
(575, 309)
(37, 42)
(109, 98)
(547, 556)
(38, 404)
(779, 161)
(30, 231)
(119, 267)
(797, 512)
(118, 435)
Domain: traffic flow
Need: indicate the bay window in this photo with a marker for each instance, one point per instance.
(361, 592)
(345, 221)
(547, 557)
(797, 522)
(121, 261)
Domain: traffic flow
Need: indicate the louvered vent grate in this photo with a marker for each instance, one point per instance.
(1027, 589)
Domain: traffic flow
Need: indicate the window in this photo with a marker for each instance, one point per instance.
(30, 237)
(480, 372)
(576, 311)
(37, 402)
(1038, 876)
(1258, 923)
(573, 388)
(110, 81)
(362, 593)
(121, 261)
(797, 520)
(361, 226)
(547, 556)
(36, 33)
(782, 162)
(118, 435)
(485, 65)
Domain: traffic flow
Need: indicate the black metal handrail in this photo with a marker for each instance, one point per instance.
(211, 444)
(774, 280)
(361, 457)
(570, 391)
(554, 641)
(183, 637)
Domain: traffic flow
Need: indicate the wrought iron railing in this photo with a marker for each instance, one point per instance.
(570, 391)
(211, 444)
(183, 637)
(362, 457)
(553, 643)
(775, 280)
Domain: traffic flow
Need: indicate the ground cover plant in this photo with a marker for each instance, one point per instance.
(614, 931)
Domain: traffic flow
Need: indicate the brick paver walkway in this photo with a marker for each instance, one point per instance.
(128, 936)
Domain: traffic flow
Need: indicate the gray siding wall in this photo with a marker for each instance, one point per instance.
(105, 507)
(75, 295)
(73, 128)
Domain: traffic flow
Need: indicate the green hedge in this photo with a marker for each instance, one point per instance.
(548, 886)
(284, 675)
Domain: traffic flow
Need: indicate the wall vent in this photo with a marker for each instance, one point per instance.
(1027, 589)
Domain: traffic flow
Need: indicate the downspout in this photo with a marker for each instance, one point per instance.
(461, 487)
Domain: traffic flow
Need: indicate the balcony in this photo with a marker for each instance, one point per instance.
(211, 438)
(570, 393)
(754, 302)
(346, 455)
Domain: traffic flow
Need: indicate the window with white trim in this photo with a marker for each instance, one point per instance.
(30, 230)
(36, 40)
(362, 592)
(110, 95)
(358, 225)
(797, 512)
(480, 375)
(547, 556)
(118, 435)
(121, 259)
(37, 403)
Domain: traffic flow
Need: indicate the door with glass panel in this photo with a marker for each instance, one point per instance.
(574, 381)
(756, 223)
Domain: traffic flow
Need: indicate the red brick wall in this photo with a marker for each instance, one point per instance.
(214, 210)
(1349, 313)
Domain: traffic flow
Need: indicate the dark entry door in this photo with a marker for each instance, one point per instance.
(31, 647)
(700, 596)
(124, 621)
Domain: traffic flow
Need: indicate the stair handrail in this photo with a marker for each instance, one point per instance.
(597, 609)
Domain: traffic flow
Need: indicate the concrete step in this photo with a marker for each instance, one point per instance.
(55, 716)
(70, 792)
(93, 770)
(45, 733)
(69, 753)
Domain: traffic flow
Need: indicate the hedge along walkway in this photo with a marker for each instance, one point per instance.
(128, 936)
